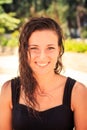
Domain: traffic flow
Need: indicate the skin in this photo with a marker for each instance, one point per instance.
(44, 51)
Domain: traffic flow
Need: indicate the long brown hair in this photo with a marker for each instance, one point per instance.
(26, 75)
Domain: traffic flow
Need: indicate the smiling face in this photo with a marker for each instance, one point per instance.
(43, 51)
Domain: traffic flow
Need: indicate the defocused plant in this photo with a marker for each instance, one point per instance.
(10, 40)
(8, 22)
(75, 46)
(14, 40)
(84, 32)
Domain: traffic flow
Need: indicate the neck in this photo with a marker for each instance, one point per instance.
(46, 81)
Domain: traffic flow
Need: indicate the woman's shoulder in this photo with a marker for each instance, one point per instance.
(6, 87)
(79, 94)
(79, 88)
(5, 93)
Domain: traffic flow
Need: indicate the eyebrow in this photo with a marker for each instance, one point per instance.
(33, 45)
(51, 44)
(38, 45)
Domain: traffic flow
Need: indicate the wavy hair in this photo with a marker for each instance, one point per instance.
(26, 74)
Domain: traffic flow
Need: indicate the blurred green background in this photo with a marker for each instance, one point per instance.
(71, 14)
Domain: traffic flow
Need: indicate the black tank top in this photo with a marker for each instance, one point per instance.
(56, 118)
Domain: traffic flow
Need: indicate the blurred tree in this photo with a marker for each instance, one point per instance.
(78, 19)
(60, 10)
(7, 20)
(5, 1)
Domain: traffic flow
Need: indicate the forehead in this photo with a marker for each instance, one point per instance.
(43, 36)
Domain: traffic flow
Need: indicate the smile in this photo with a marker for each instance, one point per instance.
(42, 64)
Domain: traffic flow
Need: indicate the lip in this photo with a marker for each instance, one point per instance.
(42, 64)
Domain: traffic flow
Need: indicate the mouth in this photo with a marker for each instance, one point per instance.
(42, 64)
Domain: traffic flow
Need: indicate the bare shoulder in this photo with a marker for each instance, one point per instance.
(6, 107)
(80, 89)
(79, 94)
(5, 93)
(6, 87)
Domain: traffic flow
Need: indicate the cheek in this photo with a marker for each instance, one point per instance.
(54, 54)
(55, 57)
(32, 54)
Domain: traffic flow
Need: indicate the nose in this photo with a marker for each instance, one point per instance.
(42, 55)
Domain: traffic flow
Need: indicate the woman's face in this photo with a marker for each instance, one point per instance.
(43, 51)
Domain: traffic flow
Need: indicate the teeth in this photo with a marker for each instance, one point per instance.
(42, 64)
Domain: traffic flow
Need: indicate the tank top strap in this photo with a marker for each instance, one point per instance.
(15, 89)
(67, 91)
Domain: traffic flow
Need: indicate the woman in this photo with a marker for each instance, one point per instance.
(42, 98)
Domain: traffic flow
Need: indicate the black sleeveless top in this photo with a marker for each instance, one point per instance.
(56, 118)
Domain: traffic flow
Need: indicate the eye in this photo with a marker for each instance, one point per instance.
(51, 48)
(33, 48)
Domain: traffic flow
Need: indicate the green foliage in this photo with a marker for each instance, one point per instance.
(5, 1)
(1, 10)
(10, 40)
(13, 41)
(63, 12)
(59, 12)
(3, 41)
(75, 46)
(52, 11)
(84, 32)
(2, 30)
(8, 22)
(23, 8)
